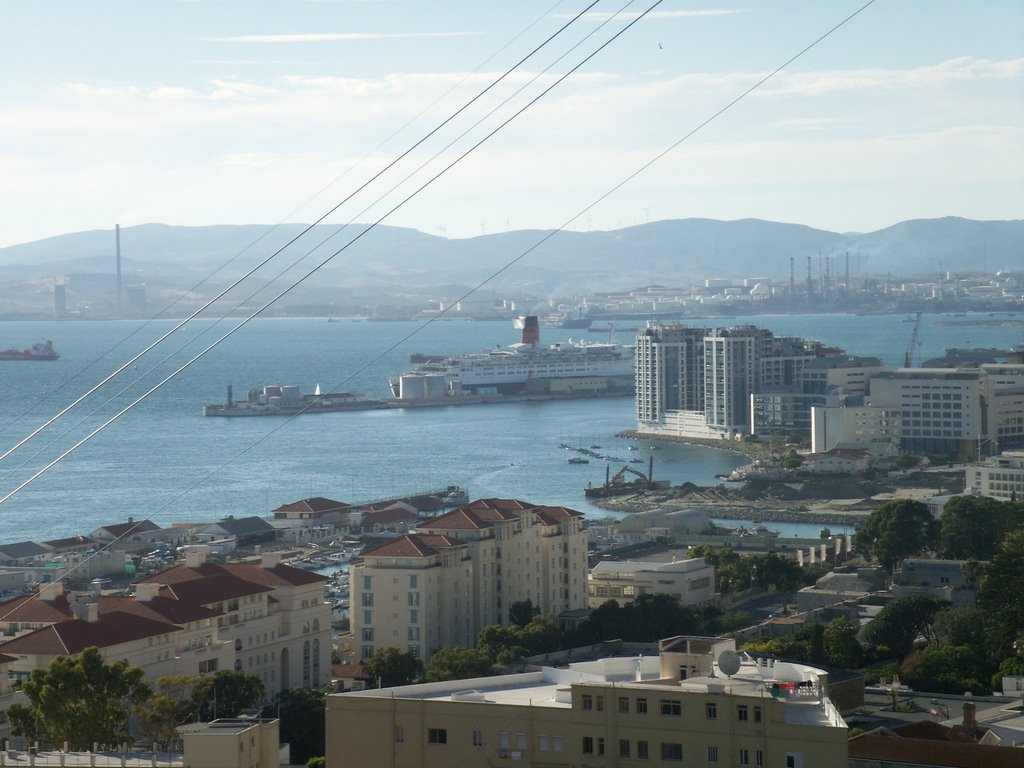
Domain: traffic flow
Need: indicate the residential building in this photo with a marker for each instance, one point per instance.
(678, 708)
(265, 618)
(462, 571)
(691, 582)
(248, 531)
(312, 511)
(235, 742)
(139, 535)
(729, 382)
(1001, 477)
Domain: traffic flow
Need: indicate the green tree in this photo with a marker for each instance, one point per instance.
(522, 612)
(842, 649)
(303, 714)
(453, 662)
(1002, 585)
(901, 622)
(390, 667)
(79, 700)
(225, 693)
(170, 706)
(503, 644)
(970, 527)
(949, 669)
(962, 625)
(898, 529)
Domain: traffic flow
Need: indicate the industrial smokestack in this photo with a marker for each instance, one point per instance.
(531, 330)
(117, 243)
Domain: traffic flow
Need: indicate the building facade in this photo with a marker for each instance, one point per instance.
(1001, 477)
(691, 582)
(678, 709)
(462, 571)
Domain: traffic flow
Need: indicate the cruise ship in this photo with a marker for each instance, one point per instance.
(575, 368)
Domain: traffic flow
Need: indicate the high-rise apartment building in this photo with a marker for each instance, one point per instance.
(462, 571)
(699, 382)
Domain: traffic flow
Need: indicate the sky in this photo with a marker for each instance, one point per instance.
(199, 112)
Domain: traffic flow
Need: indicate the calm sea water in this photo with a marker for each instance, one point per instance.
(164, 460)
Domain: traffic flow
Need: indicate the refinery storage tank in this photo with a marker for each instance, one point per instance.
(290, 395)
(411, 387)
(434, 385)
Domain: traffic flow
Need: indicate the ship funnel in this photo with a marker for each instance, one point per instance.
(531, 330)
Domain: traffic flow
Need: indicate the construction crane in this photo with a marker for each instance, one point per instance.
(914, 342)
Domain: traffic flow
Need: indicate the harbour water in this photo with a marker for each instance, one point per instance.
(163, 460)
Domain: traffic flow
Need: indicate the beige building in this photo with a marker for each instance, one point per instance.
(679, 709)
(462, 571)
(233, 743)
(691, 582)
(264, 618)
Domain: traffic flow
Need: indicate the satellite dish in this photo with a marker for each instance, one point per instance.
(729, 662)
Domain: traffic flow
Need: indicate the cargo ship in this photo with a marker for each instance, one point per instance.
(573, 368)
(41, 350)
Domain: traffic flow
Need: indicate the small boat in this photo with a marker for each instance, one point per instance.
(757, 528)
(578, 460)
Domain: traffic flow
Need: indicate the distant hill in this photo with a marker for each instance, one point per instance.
(394, 261)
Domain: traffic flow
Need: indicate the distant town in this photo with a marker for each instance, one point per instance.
(409, 618)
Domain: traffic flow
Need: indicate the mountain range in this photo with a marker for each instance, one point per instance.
(392, 265)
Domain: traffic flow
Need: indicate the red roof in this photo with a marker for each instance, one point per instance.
(484, 513)
(119, 530)
(252, 573)
(31, 609)
(883, 744)
(160, 608)
(411, 545)
(75, 635)
(316, 505)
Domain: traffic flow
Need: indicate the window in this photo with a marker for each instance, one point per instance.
(543, 742)
(744, 757)
(368, 633)
(641, 706)
(521, 742)
(641, 750)
(741, 713)
(623, 704)
(367, 582)
(794, 760)
(600, 745)
(414, 616)
(366, 599)
(600, 703)
(478, 738)
(712, 755)
(623, 747)
(711, 711)
(414, 598)
(437, 735)
(556, 743)
(759, 759)
(399, 734)
(588, 745)
(587, 701)
(671, 751)
(414, 633)
(671, 707)
(757, 713)
(412, 581)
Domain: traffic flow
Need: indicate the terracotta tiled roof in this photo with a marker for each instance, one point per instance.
(253, 574)
(75, 635)
(393, 514)
(461, 519)
(214, 589)
(31, 609)
(882, 744)
(160, 608)
(410, 545)
(555, 515)
(316, 505)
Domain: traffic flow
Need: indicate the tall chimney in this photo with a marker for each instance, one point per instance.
(117, 241)
(531, 330)
(970, 724)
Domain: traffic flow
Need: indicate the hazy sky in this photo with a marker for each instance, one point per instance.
(258, 111)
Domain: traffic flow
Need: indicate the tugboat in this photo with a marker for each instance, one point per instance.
(41, 350)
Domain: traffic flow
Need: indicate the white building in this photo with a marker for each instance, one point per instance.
(1001, 477)
(691, 582)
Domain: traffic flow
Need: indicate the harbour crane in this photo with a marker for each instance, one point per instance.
(914, 342)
